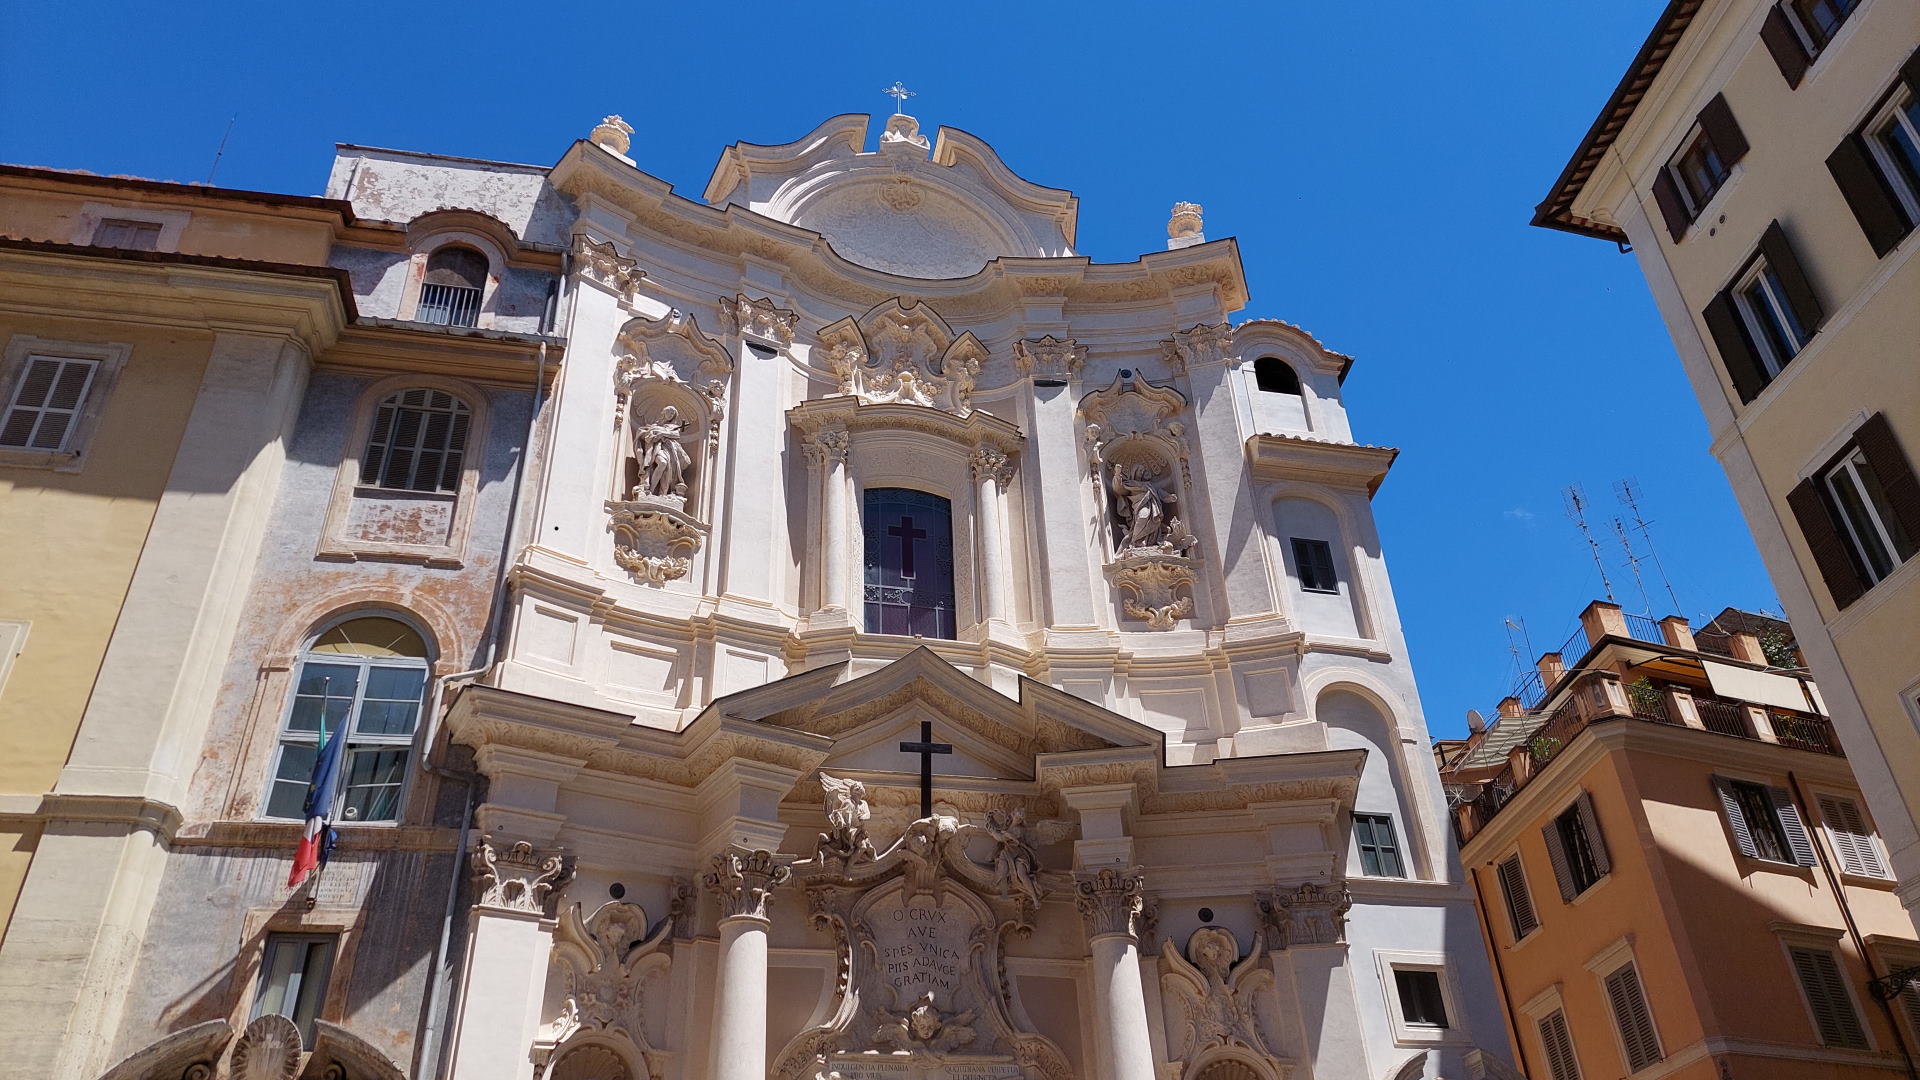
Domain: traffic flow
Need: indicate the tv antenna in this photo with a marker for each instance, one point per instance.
(1633, 564)
(1630, 496)
(222, 150)
(1577, 511)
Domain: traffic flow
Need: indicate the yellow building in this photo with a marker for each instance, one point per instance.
(156, 339)
(1763, 160)
(1676, 872)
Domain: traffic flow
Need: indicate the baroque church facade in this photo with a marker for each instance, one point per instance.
(919, 651)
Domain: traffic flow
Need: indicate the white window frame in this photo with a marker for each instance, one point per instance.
(1824, 939)
(13, 642)
(277, 939)
(1526, 884)
(1387, 962)
(1695, 134)
(1605, 963)
(1797, 21)
(1850, 461)
(1894, 112)
(283, 734)
(1538, 1008)
(1782, 312)
(108, 358)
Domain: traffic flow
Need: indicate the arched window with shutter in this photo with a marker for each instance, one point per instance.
(418, 442)
(455, 281)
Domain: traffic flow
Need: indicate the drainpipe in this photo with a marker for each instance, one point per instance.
(429, 1057)
(1853, 930)
(1499, 973)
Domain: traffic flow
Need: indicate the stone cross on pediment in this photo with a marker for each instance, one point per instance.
(926, 748)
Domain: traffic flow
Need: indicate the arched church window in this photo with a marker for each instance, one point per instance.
(363, 680)
(450, 293)
(1272, 375)
(418, 442)
(909, 562)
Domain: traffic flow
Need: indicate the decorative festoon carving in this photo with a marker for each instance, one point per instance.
(1049, 359)
(604, 962)
(902, 351)
(1210, 995)
(517, 878)
(604, 265)
(1112, 901)
(759, 319)
(1201, 343)
(991, 461)
(1306, 914)
(1156, 588)
(654, 541)
(744, 881)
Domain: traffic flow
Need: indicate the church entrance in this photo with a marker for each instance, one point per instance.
(909, 563)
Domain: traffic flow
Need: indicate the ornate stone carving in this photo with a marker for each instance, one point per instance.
(1144, 510)
(653, 539)
(903, 136)
(604, 963)
(903, 352)
(604, 265)
(1111, 901)
(1307, 914)
(744, 881)
(1183, 226)
(659, 452)
(1049, 359)
(827, 445)
(1209, 995)
(1201, 343)
(681, 909)
(992, 461)
(758, 318)
(1154, 586)
(846, 838)
(613, 133)
(919, 930)
(269, 1049)
(517, 878)
(900, 194)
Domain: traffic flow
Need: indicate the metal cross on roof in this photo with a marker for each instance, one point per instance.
(926, 748)
(899, 94)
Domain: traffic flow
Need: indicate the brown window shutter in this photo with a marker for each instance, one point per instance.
(1894, 471)
(1590, 822)
(1779, 255)
(1736, 351)
(1788, 54)
(1672, 206)
(1873, 203)
(1557, 855)
(1828, 547)
(1736, 819)
(1716, 119)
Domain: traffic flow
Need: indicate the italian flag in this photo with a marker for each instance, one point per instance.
(317, 838)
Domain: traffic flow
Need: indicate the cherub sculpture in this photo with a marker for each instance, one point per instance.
(847, 809)
(923, 1028)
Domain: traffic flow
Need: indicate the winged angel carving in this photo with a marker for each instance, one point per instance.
(1214, 991)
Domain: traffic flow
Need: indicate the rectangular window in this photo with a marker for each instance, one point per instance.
(1574, 845)
(1872, 529)
(1513, 885)
(1852, 840)
(1379, 849)
(1817, 21)
(1313, 559)
(1894, 136)
(1632, 1017)
(1558, 1044)
(122, 233)
(1770, 319)
(1688, 181)
(1765, 822)
(1699, 170)
(293, 979)
(46, 403)
(1421, 1002)
(1834, 1016)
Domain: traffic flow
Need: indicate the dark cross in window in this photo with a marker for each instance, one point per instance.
(926, 748)
(907, 534)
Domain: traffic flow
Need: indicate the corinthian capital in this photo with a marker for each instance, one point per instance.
(514, 877)
(744, 881)
(827, 446)
(1111, 900)
(990, 461)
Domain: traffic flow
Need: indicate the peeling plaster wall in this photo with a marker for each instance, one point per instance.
(393, 185)
(232, 876)
(379, 278)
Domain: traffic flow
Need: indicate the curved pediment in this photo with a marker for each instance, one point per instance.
(896, 209)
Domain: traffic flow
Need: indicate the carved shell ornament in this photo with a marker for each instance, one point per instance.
(269, 1049)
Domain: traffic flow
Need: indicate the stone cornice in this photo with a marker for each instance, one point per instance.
(494, 358)
(848, 413)
(1317, 461)
(132, 811)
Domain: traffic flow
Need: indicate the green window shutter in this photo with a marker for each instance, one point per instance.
(1729, 334)
(1793, 278)
(1893, 470)
(1826, 989)
(1666, 193)
(1716, 119)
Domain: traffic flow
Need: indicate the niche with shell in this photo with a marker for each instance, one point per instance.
(1137, 455)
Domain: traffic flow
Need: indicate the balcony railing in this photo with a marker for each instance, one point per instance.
(449, 305)
(1725, 717)
(1645, 629)
(1805, 732)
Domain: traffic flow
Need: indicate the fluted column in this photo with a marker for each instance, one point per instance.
(827, 450)
(991, 474)
(1111, 902)
(743, 881)
(508, 949)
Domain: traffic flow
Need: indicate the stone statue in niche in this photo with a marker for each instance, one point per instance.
(661, 455)
(1139, 506)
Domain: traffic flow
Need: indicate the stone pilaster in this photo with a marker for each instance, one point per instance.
(1114, 906)
(743, 881)
(992, 472)
(509, 942)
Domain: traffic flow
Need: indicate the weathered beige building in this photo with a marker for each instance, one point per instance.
(1763, 160)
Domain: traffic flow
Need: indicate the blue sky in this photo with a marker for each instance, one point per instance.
(1378, 163)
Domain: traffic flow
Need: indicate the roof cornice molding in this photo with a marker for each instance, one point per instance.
(1317, 461)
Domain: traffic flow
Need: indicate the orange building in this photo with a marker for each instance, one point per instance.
(1676, 872)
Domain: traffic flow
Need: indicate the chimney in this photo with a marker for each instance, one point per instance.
(1551, 667)
(1510, 706)
(1602, 619)
(1677, 634)
(1747, 647)
(1183, 228)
